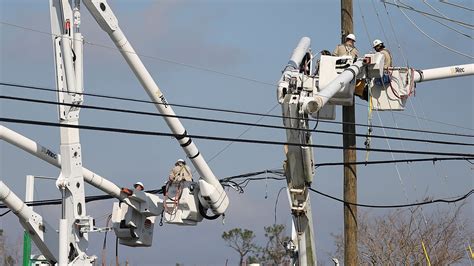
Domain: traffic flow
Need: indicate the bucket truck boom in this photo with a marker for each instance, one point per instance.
(42, 234)
(443, 72)
(299, 164)
(211, 193)
(303, 93)
(74, 224)
(133, 217)
(54, 159)
(388, 95)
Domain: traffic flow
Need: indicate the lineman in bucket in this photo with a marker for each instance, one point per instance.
(380, 48)
(180, 172)
(347, 48)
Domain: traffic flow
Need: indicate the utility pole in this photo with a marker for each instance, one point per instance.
(350, 171)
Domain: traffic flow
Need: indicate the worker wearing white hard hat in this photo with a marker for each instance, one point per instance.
(351, 37)
(138, 186)
(380, 48)
(180, 172)
(347, 48)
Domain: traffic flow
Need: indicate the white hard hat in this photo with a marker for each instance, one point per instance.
(138, 184)
(351, 36)
(377, 42)
(181, 161)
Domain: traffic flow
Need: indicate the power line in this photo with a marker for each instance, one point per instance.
(226, 74)
(276, 204)
(280, 172)
(434, 159)
(317, 165)
(5, 213)
(433, 39)
(146, 56)
(456, 5)
(467, 25)
(398, 205)
(49, 202)
(248, 113)
(214, 138)
(240, 135)
(151, 57)
(104, 197)
(428, 120)
(394, 32)
(230, 121)
(444, 24)
(274, 171)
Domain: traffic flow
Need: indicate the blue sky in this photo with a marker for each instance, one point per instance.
(252, 39)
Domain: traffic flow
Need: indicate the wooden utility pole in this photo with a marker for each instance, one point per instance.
(350, 171)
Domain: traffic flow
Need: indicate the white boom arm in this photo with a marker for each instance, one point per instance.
(299, 165)
(144, 206)
(444, 72)
(326, 93)
(51, 157)
(302, 93)
(44, 236)
(212, 192)
(370, 68)
(90, 177)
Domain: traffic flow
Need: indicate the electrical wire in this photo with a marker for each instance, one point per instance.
(229, 122)
(386, 39)
(247, 178)
(434, 159)
(456, 5)
(433, 8)
(214, 138)
(396, 205)
(5, 213)
(365, 24)
(276, 203)
(437, 171)
(394, 34)
(464, 24)
(105, 46)
(444, 24)
(253, 113)
(433, 39)
(87, 199)
(256, 123)
(446, 200)
(274, 171)
(145, 56)
(324, 164)
(152, 57)
(402, 183)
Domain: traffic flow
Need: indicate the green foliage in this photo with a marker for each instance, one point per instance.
(252, 259)
(274, 252)
(241, 240)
